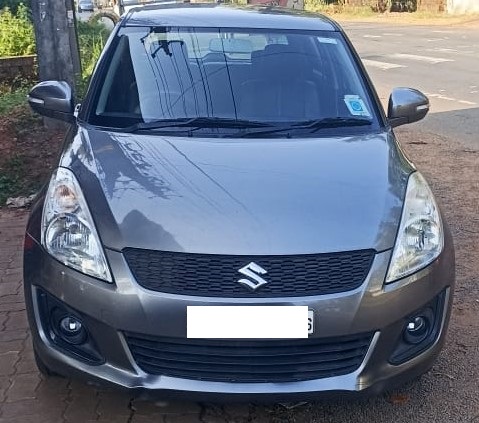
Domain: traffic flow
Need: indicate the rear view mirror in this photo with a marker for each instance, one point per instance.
(53, 99)
(406, 105)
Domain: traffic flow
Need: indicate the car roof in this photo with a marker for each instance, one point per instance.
(226, 16)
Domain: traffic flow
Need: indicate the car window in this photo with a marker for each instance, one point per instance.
(262, 76)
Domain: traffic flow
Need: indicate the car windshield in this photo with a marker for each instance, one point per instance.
(231, 81)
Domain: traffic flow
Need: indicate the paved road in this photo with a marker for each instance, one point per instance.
(443, 62)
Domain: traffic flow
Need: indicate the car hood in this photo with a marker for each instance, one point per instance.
(241, 196)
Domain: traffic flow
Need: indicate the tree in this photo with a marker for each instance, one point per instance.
(57, 47)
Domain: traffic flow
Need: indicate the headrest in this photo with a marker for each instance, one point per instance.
(280, 61)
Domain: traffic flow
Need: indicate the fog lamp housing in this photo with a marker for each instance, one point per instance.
(420, 330)
(66, 329)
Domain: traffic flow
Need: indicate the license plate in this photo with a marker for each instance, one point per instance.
(310, 322)
(249, 322)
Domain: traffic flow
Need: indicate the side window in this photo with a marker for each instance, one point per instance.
(119, 95)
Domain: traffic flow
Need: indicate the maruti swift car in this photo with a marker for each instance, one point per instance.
(232, 217)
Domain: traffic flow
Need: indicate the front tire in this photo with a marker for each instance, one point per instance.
(42, 367)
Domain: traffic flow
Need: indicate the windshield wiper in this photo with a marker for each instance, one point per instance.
(313, 125)
(334, 122)
(197, 122)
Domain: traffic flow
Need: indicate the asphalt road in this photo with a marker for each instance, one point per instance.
(441, 61)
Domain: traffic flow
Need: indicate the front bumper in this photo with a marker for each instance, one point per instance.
(111, 310)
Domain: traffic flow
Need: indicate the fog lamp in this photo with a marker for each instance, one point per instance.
(71, 330)
(417, 329)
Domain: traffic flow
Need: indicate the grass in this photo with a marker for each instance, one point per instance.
(12, 180)
(28, 152)
(12, 99)
(318, 6)
(367, 14)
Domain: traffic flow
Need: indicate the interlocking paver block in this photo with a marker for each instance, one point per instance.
(239, 409)
(53, 387)
(13, 335)
(44, 411)
(16, 320)
(188, 418)
(11, 306)
(82, 402)
(9, 288)
(15, 298)
(7, 363)
(33, 419)
(3, 318)
(4, 385)
(26, 365)
(174, 407)
(11, 346)
(23, 387)
(114, 405)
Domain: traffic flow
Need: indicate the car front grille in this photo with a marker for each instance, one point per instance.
(249, 361)
(217, 275)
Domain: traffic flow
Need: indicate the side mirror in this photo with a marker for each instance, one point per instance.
(53, 99)
(406, 105)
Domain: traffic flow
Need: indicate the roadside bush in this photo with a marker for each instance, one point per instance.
(13, 5)
(92, 36)
(331, 7)
(16, 32)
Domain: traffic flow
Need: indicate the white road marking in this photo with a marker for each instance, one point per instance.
(443, 97)
(449, 50)
(392, 34)
(432, 40)
(428, 59)
(381, 65)
(371, 36)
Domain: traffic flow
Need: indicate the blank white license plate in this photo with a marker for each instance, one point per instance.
(249, 322)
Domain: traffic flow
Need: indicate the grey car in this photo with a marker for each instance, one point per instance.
(85, 5)
(232, 217)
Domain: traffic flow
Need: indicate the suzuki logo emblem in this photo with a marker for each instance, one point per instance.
(253, 271)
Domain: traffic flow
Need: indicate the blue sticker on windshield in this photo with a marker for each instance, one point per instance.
(356, 105)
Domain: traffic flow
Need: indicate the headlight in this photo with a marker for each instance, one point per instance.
(68, 231)
(420, 239)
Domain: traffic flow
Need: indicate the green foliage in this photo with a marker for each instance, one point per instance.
(13, 5)
(332, 7)
(92, 36)
(11, 99)
(16, 32)
(11, 183)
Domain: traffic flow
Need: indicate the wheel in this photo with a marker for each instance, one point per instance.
(42, 367)
(98, 16)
